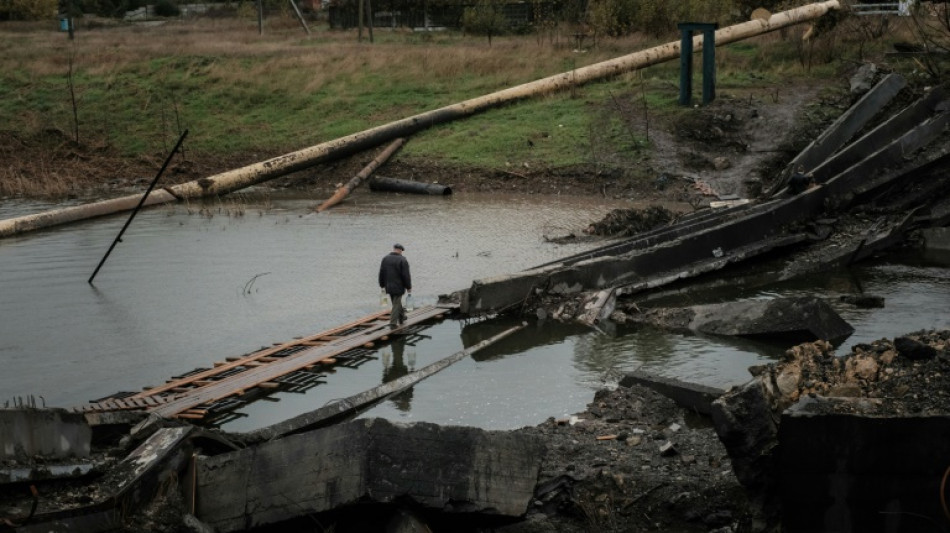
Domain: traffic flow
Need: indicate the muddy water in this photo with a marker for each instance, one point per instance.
(192, 285)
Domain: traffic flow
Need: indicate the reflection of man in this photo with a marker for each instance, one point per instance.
(396, 370)
(394, 278)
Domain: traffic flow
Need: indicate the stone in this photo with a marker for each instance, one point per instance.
(913, 349)
(863, 79)
(667, 449)
(191, 524)
(721, 163)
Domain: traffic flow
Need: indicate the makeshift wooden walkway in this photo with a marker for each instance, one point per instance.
(295, 365)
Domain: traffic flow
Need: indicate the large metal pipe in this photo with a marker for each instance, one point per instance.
(380, 183)
(240, 178)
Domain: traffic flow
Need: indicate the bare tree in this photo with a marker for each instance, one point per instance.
(931, 24)
(71, 85)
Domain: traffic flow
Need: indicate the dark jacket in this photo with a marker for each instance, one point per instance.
(394, 274)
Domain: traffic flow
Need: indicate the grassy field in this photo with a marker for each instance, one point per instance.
(134, 88)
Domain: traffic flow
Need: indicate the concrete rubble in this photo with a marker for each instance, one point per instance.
(455, 469)
(845, 439)
(815, 432)
(797, 319)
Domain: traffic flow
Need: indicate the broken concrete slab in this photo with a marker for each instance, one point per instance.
(844, 127)
(936, 239)
(114, 418)
(52, 432)
(692, 396)
(125, 488)
(447, 468)
(670, 253)
(798, 319)
(879, 137)
(853, 472)
(352, 404)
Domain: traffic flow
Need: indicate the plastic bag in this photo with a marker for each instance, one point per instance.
(383, 301)
(409, 304)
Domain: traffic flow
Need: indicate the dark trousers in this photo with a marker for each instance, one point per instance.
(398, 314)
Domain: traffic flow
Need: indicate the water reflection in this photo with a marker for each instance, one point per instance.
(173, 296)
(397, 364)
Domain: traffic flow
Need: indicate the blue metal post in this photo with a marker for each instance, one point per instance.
(686, 60)
(709, 64)
(686, 64)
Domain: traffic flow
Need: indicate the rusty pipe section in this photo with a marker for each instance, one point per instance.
(240, 178)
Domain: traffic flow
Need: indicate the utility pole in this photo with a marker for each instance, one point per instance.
(369, 19)
(69, 19)
(359, 16)
(260, 17)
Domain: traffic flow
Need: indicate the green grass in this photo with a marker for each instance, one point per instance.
(282, 92)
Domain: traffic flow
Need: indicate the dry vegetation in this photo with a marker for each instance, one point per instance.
(246, 97)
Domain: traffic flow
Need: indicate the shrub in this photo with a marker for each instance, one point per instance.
(27, 9)
(165, 8)
(484, 18)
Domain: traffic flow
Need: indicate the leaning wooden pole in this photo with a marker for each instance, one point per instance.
(282, 165)
(367, 171)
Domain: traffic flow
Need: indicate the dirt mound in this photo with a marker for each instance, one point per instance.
(635, 461)
(624, 222)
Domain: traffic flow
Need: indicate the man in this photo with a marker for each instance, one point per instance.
(394, 278)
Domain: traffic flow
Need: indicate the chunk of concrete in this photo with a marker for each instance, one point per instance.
(689, 395)
(793, 319)
(840, 471)
(57, 433)
(801, 319)
(447, 468)
(128, 486)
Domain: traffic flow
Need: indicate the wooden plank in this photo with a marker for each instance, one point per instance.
(254, 376)
(263, 353)
(355, 403)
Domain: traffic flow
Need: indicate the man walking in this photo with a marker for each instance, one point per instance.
(394, 278)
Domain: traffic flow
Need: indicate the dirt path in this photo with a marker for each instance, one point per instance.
(732, 143)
